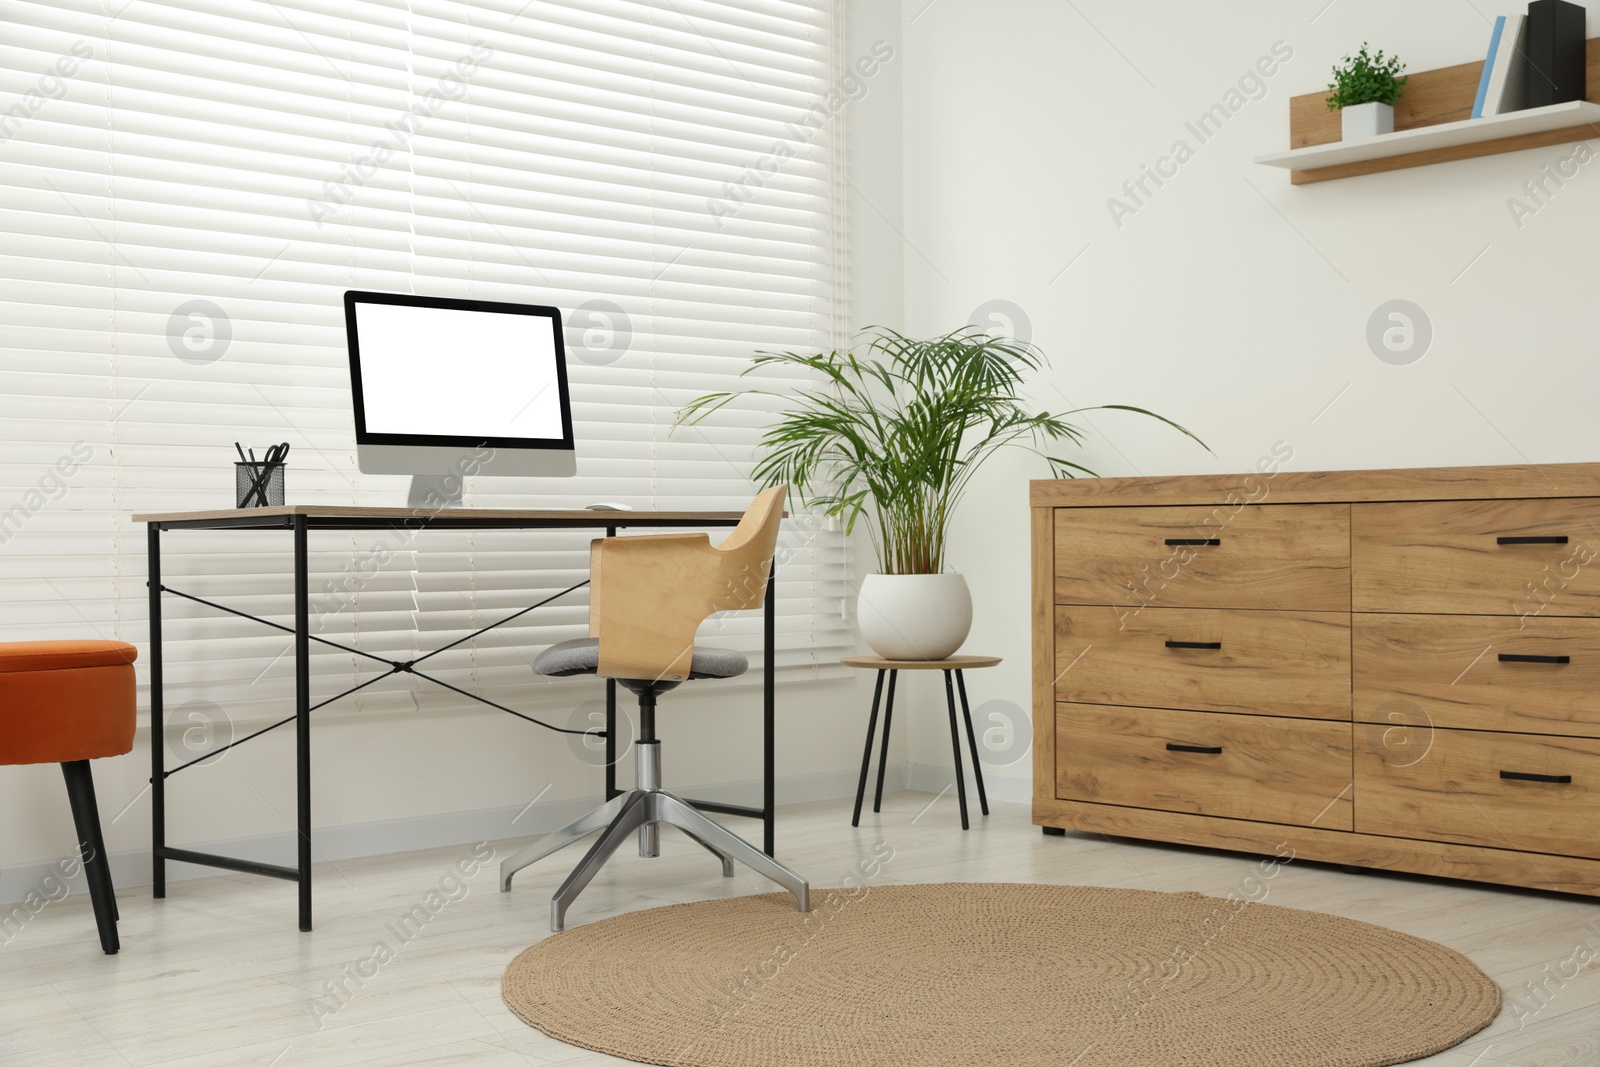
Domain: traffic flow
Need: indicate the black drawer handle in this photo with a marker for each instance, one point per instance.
(1209, 541)
(1204, 750)
(1557, 539)
(1525, 776)
(1518, 657)
(1194, 644)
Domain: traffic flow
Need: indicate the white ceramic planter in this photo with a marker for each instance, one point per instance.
(1365, 120)
(914, 616)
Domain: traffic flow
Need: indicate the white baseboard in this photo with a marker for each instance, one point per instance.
(131, 869)
(928, 778)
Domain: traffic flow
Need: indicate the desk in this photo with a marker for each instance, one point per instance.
(300, 520)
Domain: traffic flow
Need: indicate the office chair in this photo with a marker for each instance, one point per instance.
(69, 702)
(647, 595)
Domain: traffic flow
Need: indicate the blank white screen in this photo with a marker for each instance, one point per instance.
(459, 373)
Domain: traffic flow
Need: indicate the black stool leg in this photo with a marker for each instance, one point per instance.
(972, 742)
(955, 746)
(883, 751)
(866, 754)
(96, 869)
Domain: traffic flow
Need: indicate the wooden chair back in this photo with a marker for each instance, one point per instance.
(649, 593)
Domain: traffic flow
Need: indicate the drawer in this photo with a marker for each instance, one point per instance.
(1232, 766)
(1294, 663)
(1457, 790)
(1477, 557)
(1478, 672)
(1290, 556)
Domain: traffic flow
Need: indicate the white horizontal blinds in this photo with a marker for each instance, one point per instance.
(223, 118)
(596, 139)
(57, 358)
(196, 184)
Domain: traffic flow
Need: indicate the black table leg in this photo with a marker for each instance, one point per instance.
(866, 753)
(955, 747)
(972, 742)
(769, 700)
(883, 751)
(302, 715)
(611, 722)
(158, 740)
(611, 738)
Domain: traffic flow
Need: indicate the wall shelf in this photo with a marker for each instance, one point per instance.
(1433, 124)
(1555, 124)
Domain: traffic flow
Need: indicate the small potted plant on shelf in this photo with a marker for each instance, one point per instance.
(894, 436)
(1365, 87)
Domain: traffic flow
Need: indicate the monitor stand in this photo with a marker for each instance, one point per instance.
(435, 491)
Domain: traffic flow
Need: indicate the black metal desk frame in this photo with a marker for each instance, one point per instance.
(300, 520)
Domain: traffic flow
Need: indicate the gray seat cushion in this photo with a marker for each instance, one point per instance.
(581, 655)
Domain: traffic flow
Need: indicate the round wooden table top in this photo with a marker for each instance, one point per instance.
(954, 663)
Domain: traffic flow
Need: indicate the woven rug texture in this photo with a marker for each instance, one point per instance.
(998, 974)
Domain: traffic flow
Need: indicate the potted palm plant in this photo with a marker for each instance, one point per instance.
(893, 437)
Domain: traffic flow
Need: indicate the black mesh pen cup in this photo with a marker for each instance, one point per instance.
(258, 485)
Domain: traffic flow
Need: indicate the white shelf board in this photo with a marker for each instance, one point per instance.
(1443, 135)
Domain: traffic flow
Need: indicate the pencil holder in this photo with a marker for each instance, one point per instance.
(258, 485)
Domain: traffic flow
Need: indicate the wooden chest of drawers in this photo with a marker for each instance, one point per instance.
(1395, 669)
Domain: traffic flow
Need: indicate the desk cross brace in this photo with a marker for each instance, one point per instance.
(395, 667)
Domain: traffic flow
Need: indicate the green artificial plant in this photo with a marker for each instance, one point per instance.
(1366, 79)
(897, 433)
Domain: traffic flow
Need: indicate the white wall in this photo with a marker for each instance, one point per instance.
(877, 273)
(1229, 300)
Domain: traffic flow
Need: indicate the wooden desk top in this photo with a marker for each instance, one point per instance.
(337, 515)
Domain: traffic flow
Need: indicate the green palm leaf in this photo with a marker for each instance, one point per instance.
(896, 434)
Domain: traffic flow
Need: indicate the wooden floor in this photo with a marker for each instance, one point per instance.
(218, 974)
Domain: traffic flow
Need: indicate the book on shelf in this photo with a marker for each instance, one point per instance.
(1556, 61)
(1503, 85)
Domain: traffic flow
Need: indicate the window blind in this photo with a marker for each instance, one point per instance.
(190, 187)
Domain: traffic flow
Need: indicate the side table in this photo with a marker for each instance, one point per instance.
(892, 667)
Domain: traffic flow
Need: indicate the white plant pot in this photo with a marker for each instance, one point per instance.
(914, 616)
(1365, 120)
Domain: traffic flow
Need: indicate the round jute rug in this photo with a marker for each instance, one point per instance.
(978, 974)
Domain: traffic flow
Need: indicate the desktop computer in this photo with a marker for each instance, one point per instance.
(443, 389)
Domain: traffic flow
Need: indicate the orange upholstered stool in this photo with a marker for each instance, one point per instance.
(69, 702)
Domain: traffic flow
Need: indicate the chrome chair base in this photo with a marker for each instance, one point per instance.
(644, 809)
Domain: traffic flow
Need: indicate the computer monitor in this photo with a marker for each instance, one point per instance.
(444, 388)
